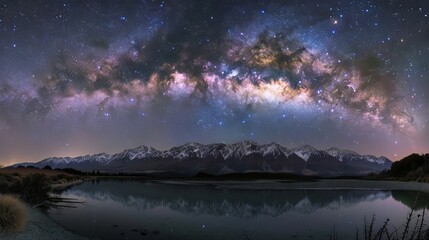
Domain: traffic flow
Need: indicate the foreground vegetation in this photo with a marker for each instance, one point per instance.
(27, 184)
(13, 216)
(414, 228)
(33, 187)
(414, 167)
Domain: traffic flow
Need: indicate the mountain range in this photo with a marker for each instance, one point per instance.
(217, 159)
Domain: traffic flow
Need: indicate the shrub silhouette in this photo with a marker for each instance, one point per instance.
(47, 167)
(411, 167)
(4, 185)
(13, 216)
(34, 188)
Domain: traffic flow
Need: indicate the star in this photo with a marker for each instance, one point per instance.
(344, 74)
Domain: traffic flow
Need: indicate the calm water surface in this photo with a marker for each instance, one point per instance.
(149, 210)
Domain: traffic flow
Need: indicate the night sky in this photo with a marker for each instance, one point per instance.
(82, 77)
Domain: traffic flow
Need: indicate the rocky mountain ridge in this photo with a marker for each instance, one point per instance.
(217, 159)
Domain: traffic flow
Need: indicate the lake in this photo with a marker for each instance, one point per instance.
(114, 209)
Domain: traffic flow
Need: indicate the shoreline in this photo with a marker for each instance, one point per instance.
(41, 226)
(67, 184)
(321, 184)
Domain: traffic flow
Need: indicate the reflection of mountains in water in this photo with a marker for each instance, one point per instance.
(199, 200)
(413, 199)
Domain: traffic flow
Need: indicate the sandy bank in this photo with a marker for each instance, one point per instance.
(319, 184)
(65, 185)
(40, 226)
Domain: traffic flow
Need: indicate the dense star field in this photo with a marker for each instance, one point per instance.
(80, 77)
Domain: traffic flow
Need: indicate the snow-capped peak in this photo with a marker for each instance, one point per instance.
(274, 149)
(186, 150)
(305, 151)
(340, 154)
(348, 155)
(57, 160)
(374, 159)
(222, 158)
(137, 153)
(241, 149)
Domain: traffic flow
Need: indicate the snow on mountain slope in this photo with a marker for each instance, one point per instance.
(242, 149)
(305, 151)
(274, 149)
(340, 154)
(348, 155)
(374, 159)
(137, 153)
(185, 151)
(100, 158)
(223, 158)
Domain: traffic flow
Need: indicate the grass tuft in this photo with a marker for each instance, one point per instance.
(13, 215)
(413, 228)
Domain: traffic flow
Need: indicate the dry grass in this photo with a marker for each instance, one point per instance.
(29, 171)
(13, 215)
(414, 228)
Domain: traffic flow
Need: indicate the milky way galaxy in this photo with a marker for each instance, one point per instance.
(87, 77)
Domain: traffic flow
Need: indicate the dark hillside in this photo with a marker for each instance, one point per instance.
(412, 167)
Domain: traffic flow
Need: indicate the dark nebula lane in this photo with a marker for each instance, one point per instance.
(85, 77)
